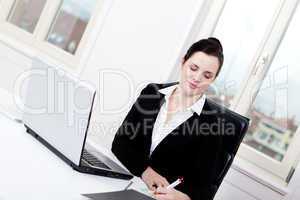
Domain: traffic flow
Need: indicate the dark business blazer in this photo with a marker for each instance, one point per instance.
(190, 151)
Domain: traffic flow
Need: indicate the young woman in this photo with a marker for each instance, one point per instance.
(170, 131)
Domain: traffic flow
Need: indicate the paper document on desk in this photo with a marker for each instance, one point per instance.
(119, 195)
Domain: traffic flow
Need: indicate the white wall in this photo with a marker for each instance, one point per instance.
(236, 185)
(12, 64)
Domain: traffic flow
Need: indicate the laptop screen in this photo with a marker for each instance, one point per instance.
(57, 107)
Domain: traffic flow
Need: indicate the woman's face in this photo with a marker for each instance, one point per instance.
(197, 73)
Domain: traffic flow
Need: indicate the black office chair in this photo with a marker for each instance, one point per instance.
(231, 143)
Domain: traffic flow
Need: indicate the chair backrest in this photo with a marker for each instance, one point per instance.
(236, 127)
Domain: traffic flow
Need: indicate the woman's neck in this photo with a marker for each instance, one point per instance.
(182, 100)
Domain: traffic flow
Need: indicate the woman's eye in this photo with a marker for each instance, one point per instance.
(207, 76)
(193, 68)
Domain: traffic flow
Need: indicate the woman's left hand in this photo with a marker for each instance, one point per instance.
(162, 193)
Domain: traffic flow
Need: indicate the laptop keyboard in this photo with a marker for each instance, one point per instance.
(92, 160)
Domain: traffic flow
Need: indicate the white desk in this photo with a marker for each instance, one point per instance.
(28, 170)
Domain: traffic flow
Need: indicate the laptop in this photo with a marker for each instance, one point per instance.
(57, 111)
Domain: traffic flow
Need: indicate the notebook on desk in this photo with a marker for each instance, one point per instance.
(57, 112)
(119, 195)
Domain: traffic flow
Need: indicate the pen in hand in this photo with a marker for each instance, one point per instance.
(174, 184)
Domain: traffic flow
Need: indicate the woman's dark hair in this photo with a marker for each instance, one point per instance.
(211, 46)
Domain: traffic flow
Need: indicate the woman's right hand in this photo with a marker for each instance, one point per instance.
(153, 179)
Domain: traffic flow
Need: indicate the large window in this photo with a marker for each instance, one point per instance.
(241, 28)
(259, 78)
(275, 110)
(58, 28)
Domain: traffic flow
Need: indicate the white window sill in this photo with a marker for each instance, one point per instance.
(22, 49)
(260, 175)
(31, 52)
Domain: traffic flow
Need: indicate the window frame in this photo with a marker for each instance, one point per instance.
(248, 91)
(37, 42)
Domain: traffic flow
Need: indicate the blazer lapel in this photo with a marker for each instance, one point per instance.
(154, 103)
(190, 127)
(193, 125)
(205, 116)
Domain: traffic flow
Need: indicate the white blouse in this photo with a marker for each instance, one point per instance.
(160, 129)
